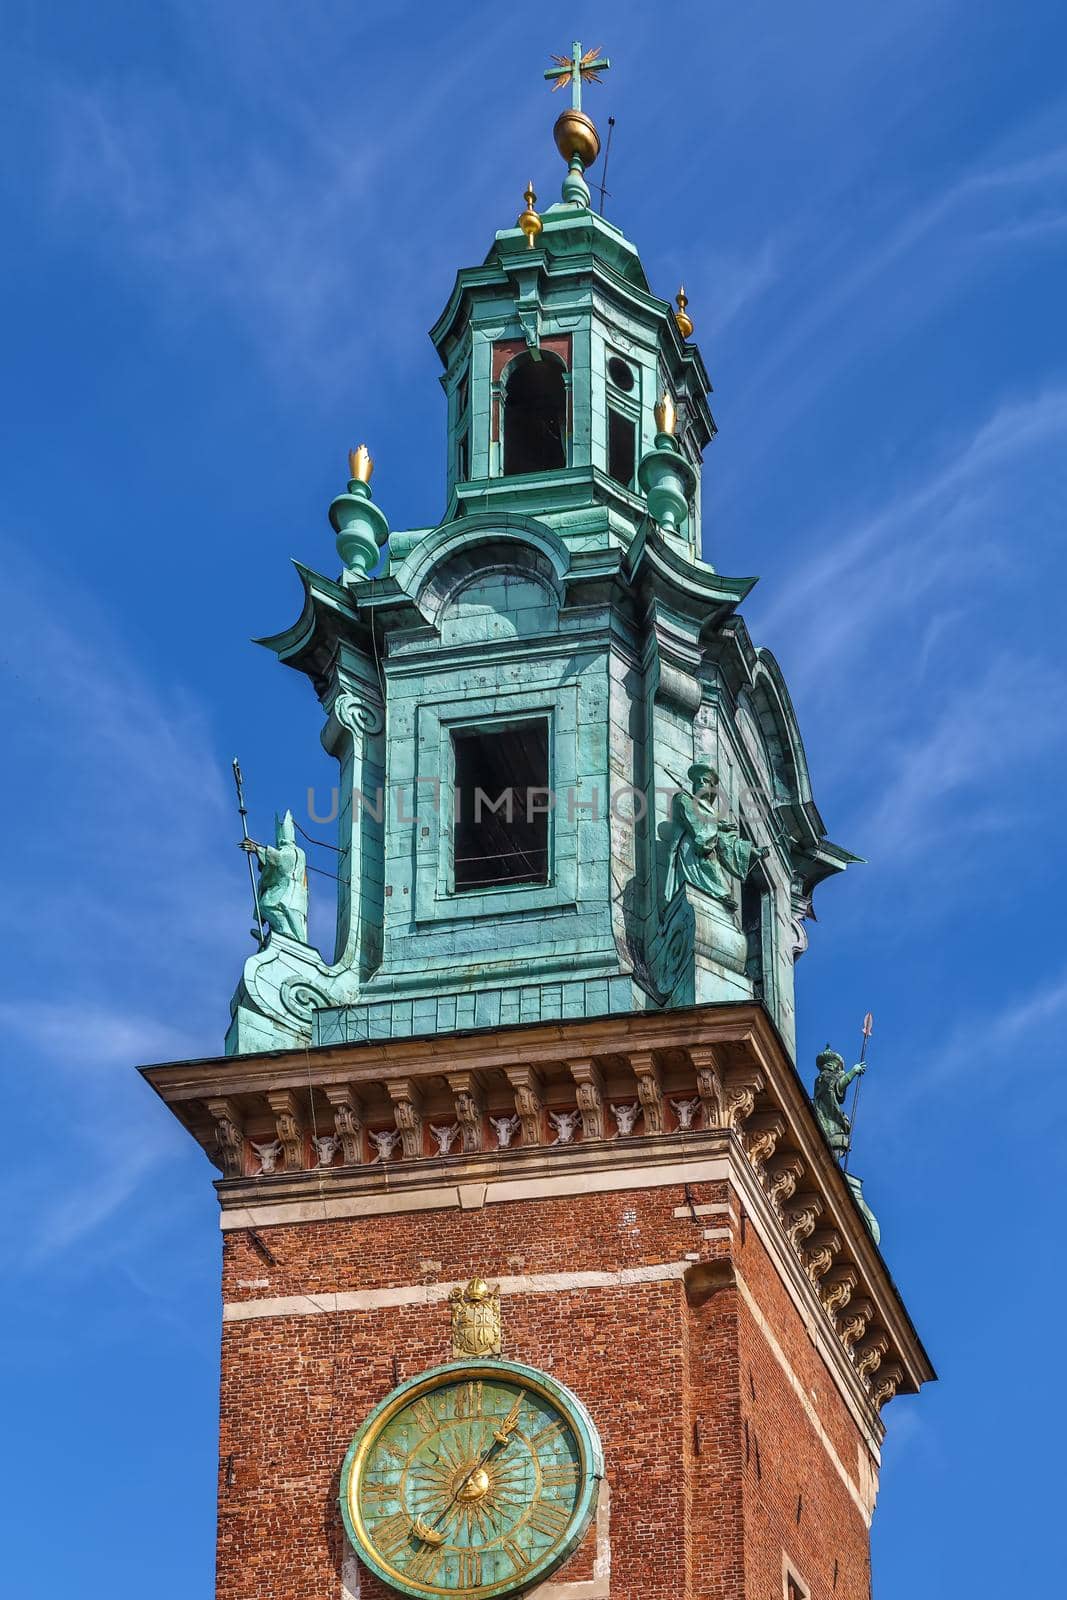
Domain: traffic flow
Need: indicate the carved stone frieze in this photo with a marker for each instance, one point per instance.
(268, 1156)
(782, 1176)
(407, 1114)
(444, 1136)
(686, 1111)
(705, 1064)
(347, 1122)
(649, 1090)
(565, 1124)
(885, 1382)
(505, 1129)
(625, 1117)
(868, 1355)
(526, 1085)
(229, 1135)
(590, 1096)
(470, 1109)
(325, 1148)
(740, 1091)
(823, 1246)
(854, 1321)
(835, 1290)
(290, 1128)
(763, 1131)
(801, 1215)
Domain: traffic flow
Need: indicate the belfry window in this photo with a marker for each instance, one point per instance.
(535, 416)
(501, 805)
(620, 448)
(755, 907)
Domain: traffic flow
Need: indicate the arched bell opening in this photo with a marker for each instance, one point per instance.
(535, 415)
(757, 921)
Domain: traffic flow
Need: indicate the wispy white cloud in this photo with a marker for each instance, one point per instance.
(75, 1036)
(983, 1047)
(873, 271)
(291, 233)
(950, 775)
(90, 1197)
(859, 571)
(117, 934)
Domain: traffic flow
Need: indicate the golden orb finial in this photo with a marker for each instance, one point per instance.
(665, 414)
(682, 319)
(529, 221)
(360, 464)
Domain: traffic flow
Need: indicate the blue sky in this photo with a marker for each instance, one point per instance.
(217, 276)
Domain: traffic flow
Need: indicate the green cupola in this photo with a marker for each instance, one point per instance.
(570, 784)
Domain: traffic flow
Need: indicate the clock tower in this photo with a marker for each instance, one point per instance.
(541, 1273)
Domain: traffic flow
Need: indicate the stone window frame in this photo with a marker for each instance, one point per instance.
(436, 897)
(794, 1587)
(499, 393)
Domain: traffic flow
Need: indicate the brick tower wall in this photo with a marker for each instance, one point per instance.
(729, 1448)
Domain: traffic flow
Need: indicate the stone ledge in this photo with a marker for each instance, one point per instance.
(723, 1066)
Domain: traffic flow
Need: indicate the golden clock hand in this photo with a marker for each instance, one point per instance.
(429, 1532)
(509, 1424)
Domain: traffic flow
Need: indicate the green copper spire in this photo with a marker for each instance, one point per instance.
(576, 136)
(515, 699)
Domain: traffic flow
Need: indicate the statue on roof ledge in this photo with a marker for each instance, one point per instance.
(828, 1098)
(705, 847)
(283, 882)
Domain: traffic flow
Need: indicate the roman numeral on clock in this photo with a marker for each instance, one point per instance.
(392, 1532)
(468, 1401)
(424, 1416)
(470, 1569)
(548, 1519)
(515, 1553)
(552, 1431)
(425, 1564)
(564, 1475)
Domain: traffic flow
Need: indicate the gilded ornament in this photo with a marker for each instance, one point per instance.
(475, 1319)
(576, 135)
(529, 221)
(683, 321)
(360, 464)
(666, 414)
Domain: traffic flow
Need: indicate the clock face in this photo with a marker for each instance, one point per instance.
(475, 1478)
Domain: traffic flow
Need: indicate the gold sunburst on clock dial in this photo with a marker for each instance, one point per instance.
(475, 1479)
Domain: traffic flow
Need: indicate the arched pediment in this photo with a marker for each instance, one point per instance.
(779, 731)
(443, 573)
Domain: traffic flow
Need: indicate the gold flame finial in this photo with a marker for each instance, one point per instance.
(682, 319)
(665, 414)
(360, 464)
(529, 221)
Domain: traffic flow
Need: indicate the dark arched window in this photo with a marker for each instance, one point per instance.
(535, 416)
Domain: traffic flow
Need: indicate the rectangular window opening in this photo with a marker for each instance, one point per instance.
(463, 458)
(501, 806)
(754, 903)
(620, 448)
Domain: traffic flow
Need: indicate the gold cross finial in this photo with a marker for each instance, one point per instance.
(577, 69)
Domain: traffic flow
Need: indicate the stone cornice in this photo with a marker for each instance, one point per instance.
(729, 1055)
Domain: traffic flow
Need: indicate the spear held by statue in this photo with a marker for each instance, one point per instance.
(868, 1029)
(256, 932)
